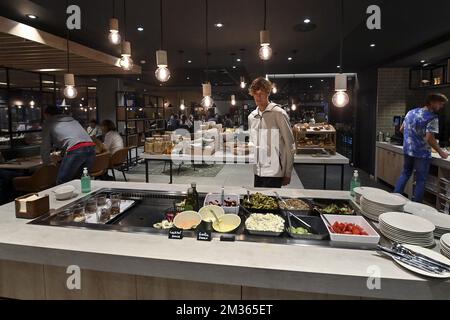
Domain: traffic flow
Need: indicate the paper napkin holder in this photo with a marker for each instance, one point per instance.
(32, 209)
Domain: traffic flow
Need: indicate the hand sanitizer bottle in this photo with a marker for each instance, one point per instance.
(356, 182)
(85, 182)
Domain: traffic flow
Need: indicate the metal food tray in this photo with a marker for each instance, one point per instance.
(315, 222)
(326, 202)
(297, 212)
(265, 233)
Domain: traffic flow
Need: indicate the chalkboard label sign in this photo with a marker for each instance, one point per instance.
(204, 236)
(175, 234)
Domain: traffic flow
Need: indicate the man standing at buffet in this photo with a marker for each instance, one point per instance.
(271, 134)
(419, 129)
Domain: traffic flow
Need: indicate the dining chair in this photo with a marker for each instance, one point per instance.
(119, 161)
(44, 178)
(101, 165)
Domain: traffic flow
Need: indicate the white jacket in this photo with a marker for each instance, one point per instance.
(272, 136)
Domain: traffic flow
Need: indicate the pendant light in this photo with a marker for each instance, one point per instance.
(341, 98)
(243, 84)
(274, 88)
(265, 52)
(293, 106)
(207, 101)
(126, 62)
(162, 73)
(114, 35)
(70, 91)
(233, 100)
(182, 105)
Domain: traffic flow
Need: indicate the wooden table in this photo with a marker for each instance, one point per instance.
(26, 164)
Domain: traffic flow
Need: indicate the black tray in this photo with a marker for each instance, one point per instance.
(252, 210)
(315, 222)
(320, 204)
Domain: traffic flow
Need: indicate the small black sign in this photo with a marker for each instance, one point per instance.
(176, 234)
(204, 236)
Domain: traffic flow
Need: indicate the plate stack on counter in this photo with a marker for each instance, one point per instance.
(361, 191)
(374, 204)
(440, 220)
(404, 228)
(445, 245)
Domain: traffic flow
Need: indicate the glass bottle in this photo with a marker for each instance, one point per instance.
(356, 182)
(85, 181)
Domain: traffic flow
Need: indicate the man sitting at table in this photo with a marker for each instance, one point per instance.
(64, 133)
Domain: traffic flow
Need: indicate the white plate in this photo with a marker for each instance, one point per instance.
(407, 223)
(445, 240)
(385, 200)
(414, 207)
(431, 254)
(440, 220)
(363, 190)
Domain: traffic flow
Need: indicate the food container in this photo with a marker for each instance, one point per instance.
(321, 204)
(300, 212)
(215, 199)
(266, 233)
(315, 222)
(371, 240)
(254, 210)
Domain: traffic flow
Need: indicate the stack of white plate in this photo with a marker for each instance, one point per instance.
(361, 191)
(440, 220)
(407, 229)
(445, 245)
(374, 204)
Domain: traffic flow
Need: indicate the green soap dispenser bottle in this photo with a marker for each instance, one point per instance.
(85, 182)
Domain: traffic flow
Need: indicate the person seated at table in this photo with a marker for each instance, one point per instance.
(94, 130)
(64, 133)
(33, 138)
(113, 141)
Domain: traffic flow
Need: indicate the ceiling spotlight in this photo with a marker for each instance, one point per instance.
(219, 25)
(182, 105)
(293, 106)
(310, 87)
(188, 78)
(422, 61)
(290, 58)
(307, 20)
(338, 67)
(233, 100)
(238, 60)
(189, 61)
(372, 45)
(321, 80)
(31, 16)
(140, 29)
(243, 84)
(234, 67)
(143, 61)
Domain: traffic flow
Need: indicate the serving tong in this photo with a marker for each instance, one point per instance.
(303, 223)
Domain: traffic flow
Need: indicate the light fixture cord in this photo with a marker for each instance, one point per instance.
(341, 50)
(114, 9)
(265, 15)
(162, 22)
(206, 39)
(125, 19)
(67, 43)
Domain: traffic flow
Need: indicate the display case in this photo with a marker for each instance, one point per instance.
(315, 139)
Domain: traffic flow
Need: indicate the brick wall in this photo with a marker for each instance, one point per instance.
(393, 96)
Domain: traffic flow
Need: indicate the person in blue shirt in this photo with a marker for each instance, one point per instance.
(419, 130)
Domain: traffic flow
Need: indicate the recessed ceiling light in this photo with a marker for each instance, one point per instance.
(219, 25)
(321, 80)
(290, 58)
(422, 61)
(307, 20)
(140, 29)
(372, 45)
(143, 61)
(310, 87)
(138, 79)
(188, 78)
(234, 67)
(189, 61)
(238, 60)
(338, 67)
(32, 16)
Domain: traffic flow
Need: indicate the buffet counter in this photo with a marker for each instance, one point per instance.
(114, 265)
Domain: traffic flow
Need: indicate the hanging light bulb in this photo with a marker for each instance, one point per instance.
(341, 98)
(265, 52)
(162, 73)
(243, 83)
(294, 106)
(114, 35)
(207, 101)
(32, 104)
(126, 62)
(70, 92)
(233, 100)
(182, 105)
(274, 88)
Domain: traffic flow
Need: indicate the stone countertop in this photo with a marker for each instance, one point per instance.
(287, 267)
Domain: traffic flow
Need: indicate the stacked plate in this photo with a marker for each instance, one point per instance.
(407, 229)
(374, 204)
(445, 245)
(361, 191)
(440, 220)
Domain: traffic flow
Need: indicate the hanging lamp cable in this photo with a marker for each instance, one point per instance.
(114, 9)
(265, 15)
(162, 22)
(341, 45)
(125, 19)
(67, 43)
(206, 39)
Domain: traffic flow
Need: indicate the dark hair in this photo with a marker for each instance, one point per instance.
(109, 125)
(260, 84)
(52, 110)
(93, 121)
(435, 97)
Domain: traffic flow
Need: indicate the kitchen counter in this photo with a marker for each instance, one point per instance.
(33, 261)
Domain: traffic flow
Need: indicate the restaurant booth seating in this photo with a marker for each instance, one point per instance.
(44, 178)
(119, 162)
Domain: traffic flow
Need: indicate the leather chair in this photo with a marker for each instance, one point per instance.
(44, 178)
(119, 161)
(101, 165)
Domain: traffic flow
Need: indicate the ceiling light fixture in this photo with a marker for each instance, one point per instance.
(234, 67)
(422, 61)
(243, 84)
(233, 100)
(207, 101)
(182, 105)
(219, 25)
(126, 62)
(341, 98)
(114, 34)
(265, 52)
(70, 91)
(162, 73)
(290, 58)
(274, 88)
(372, 45)
(189, 61)
(293, 106)
(307, 20)
(32, 16)
(140, 29)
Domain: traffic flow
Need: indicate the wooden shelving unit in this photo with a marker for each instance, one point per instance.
(138, 117)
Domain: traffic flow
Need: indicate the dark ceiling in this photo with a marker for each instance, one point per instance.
(406, 27)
